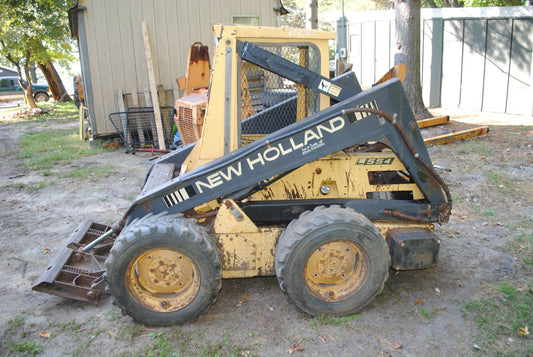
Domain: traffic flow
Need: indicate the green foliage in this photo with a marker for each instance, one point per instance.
(297, 11)
(40, 26)
(34, 31)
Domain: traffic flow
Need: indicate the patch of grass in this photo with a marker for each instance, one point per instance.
(524, 224)
(84, 173)
(388, 293)
(26, 348)
(480, 147)
(500, 316)
(44, 149)
(224, 348)
(160, 347)
(476, 207)
(325, 319)
(503, 184)
(488, 213)
(72, 327)
(522, 246)
(425, 313)
(67, 110)
(458, 198)
(14, 324)
(83, 333)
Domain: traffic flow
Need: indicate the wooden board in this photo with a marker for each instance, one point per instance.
(425, 123)
(153, 87)
(460, 135)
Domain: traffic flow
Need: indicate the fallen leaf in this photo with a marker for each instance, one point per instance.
(497, 224)
(322, 339)
(458, 283)
(522, 247)
(419, 302)
(47, 250)
(44, 334)
(485, 224)
(298, 347)
(523, 331)
(397, 345)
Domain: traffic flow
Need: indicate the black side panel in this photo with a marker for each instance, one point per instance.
(285, 211)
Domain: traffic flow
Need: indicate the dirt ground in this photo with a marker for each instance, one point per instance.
(491, 184)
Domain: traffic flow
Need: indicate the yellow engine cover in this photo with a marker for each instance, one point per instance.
(343, 175)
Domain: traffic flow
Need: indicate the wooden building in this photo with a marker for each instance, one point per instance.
(112, 52)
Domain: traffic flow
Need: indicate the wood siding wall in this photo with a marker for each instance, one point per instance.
(112, 50)
(476, 58)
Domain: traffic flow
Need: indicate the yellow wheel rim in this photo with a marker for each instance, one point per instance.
(336, 271)
(163, 279)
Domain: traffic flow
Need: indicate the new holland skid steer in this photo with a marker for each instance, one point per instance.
(295, 175)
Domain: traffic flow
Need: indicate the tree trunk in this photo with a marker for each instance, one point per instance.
(28, 92)
(54, 82)
(407, 16)
(312, 15)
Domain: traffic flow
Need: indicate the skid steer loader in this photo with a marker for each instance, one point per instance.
(295, 175)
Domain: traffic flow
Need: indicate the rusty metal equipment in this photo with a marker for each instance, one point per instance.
(294, 175)
(198, 69)
(77, 273)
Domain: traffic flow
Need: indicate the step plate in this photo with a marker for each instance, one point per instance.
(159, 174)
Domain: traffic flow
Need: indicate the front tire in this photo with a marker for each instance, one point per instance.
(163, 270)
(331, 261)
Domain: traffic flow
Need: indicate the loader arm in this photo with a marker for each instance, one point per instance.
(298, 74)
(321, 134)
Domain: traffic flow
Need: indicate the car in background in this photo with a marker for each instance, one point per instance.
(9, 87)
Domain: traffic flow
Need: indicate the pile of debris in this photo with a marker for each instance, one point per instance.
(27, 113)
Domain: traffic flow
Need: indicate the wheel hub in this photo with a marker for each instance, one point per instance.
(163, 279)
(334, 271)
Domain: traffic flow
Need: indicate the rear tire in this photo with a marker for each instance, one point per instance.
(331, 261)
(41, 97)
(163, 270)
